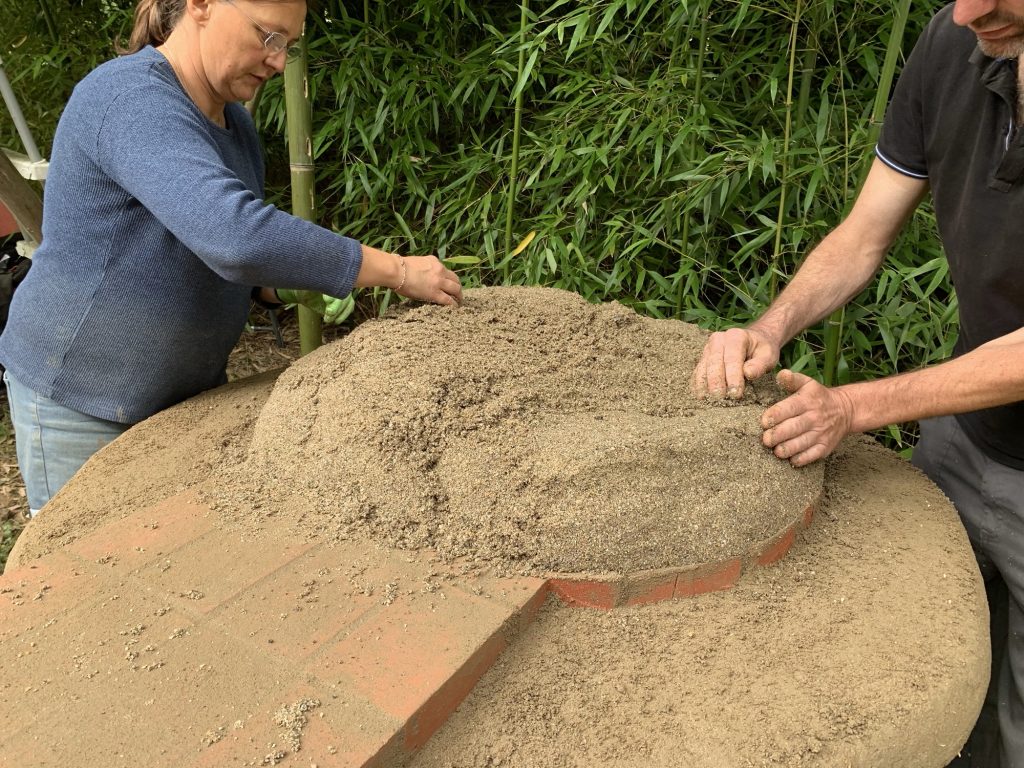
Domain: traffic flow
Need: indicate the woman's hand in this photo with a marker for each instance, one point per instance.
(425, 278)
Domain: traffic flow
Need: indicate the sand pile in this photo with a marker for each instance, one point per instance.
(527, 427)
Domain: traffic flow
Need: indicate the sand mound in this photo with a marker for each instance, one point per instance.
(528, 428)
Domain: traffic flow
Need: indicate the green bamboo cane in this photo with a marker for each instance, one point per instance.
(51, 22)
(516, 131)
(299, 114)
(777, 249)
(892, 55)
(691, 148)
(834, 323)
(810, 58)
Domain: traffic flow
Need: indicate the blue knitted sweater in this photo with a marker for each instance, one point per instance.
(154, 233)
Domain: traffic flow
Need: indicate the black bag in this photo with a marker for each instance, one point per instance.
(13, 269)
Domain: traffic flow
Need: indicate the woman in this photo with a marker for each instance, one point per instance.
(155, 234)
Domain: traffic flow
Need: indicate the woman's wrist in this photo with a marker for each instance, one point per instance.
(379, 268)
(266, 297)
(405, 273)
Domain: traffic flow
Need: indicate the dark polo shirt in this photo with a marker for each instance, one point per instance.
(952, 121)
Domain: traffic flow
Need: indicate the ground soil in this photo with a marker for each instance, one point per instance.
(864, 647)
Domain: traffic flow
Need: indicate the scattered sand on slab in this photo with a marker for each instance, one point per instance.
(527, 428)
(866, 647)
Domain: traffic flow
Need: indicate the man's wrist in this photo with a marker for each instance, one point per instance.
(770, 331)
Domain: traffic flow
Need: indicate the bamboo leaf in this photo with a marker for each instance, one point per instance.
(524, 243)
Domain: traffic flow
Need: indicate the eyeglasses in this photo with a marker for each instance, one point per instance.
(274, 42)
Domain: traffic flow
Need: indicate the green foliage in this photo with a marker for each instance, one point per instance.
(9, 531)
(680, 157)
(677, 155)
(44, 62)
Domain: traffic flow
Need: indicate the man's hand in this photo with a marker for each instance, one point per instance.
(808, 424)
(730, 359)
(332, 309)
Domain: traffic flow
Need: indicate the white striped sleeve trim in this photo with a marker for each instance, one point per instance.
(897, 167)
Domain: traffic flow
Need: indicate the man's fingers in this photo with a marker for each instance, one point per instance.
(811, 455)
(713, 363)
(781, 412)
(699, 381)
(720, 371)
(759, 364)
(807, 425)
(791, 381)
(791, 439)
(734, 357)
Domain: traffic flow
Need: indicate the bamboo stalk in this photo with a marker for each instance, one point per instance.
(834, 323)
(810, 58)
(510, 201)
(892, 54)
(300, 154)
(691, 152)
(51, 22)
(777, 248)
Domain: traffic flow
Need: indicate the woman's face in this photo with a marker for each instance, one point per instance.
(234, 57)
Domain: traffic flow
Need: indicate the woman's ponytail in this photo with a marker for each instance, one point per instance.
(154, 20)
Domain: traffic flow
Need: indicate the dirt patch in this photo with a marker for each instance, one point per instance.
(528, 429)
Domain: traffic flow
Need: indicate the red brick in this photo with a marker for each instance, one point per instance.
(209, 571)
(592, 594)
(400, 657)
(808, 515)
(650, 586)
(299, 608)
(340, 732)
(708, 578)
(148, 534)
(777, 548)
(42, 590)
(524, 594)
(432, 715)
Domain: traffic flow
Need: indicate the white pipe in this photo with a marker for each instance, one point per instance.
(19, 119)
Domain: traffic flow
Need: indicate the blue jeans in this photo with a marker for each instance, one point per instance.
(52, 441)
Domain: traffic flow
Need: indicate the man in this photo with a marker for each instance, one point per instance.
(951, 128)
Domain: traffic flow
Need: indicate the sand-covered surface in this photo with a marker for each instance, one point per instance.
(866, 647)
(526, 428)
(560, 436)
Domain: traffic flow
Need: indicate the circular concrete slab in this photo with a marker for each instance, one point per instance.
(866, 646)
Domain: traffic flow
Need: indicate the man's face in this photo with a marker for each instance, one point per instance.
(998, 24)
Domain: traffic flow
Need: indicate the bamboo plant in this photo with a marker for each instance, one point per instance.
(834, 323)
(303, 180)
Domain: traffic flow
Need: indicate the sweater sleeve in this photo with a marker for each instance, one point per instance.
(158, 148)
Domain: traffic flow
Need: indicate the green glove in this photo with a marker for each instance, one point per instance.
(332, 309)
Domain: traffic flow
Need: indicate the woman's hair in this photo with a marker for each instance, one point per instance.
(154, 20)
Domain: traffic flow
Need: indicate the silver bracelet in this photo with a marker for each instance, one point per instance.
(405, 273)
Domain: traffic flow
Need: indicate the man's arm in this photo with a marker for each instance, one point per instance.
(808, 425)
(834, 272)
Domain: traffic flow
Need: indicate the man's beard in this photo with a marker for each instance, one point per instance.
(1006, 48)
(1010, 48)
